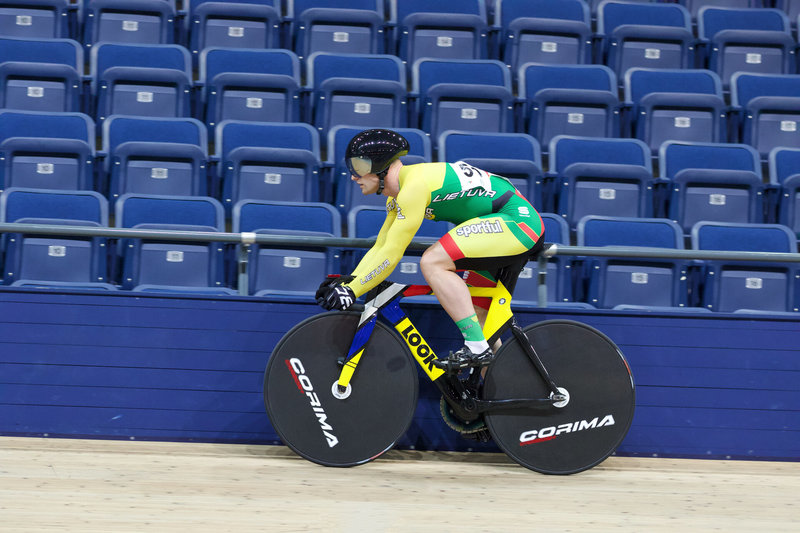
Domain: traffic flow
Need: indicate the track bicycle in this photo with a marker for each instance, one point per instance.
(340, 388)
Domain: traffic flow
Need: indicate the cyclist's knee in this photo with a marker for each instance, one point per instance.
(435, 259)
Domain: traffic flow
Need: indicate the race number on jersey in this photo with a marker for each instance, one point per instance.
(471, 177)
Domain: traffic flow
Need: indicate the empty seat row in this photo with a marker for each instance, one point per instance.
(282, 161)
(514, 30)
(291, 271)
(724, 284)
(363, 90)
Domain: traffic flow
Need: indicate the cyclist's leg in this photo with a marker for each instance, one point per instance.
(489, 242)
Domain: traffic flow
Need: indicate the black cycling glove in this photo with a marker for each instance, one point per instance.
(335, 297)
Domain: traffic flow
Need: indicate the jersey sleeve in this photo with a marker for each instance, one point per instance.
(403, 218)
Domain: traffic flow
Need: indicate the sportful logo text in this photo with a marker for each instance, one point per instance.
(549, 433)
(487, 226)
(305, 386)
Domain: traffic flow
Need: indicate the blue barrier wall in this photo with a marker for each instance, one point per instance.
(155, 367)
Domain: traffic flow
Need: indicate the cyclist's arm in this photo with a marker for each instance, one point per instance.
(379, 242)
(396, 234)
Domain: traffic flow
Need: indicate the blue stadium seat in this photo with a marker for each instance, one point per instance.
(41, 75)
(652, 35)
(37, 19)
(46, 150)
(792, 10)
(354, 27)
(470, 95)
(171, 266)
(730, 285)
(163, 156)
(440, 29)
(293, 271)
(131, 21)
(516, 156)
(784, 176)
(768, 110)
(594, 5)
(141, 79)
(694, 5)
(237, 24)
(543, 31)
(44, 260)
(712, 181)
(596, 176)
(249, 84)
(568, 100)
(357, 90)
(746, 40)
(675, 104)
(559, 270)
(268, 161)
(345, 193)
(631, 281)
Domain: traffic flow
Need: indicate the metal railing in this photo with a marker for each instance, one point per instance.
(247, 239)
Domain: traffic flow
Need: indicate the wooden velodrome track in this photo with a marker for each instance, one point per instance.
(97, 485)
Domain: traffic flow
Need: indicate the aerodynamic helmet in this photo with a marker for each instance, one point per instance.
(373, 151)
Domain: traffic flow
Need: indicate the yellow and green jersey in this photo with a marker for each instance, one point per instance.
(492, 218)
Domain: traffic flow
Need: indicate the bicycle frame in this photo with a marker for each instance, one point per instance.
(461, 394)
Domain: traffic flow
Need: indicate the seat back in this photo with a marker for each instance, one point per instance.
(356, 27)
(292, 269)
(626, 281)
(784, 174)
(248, 84)
(357, 90)
(694, 6)
(268, 161)
(652, 35)
(440, 29)
(471, 95)
(599, 176)
(162, 156)
(141, 79)
(542, 31)
(675, 104)
(730, 285)
(54, 259)
(675, 156)
(239, 24)
(770, 110)
(135, 21)
(41, 75)
(754, 40)
(46, 150)
(568, 100)
(175, 265)
(711, 181)
(36, 19)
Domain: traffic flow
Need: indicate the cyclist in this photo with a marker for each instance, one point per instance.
(496, 232)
